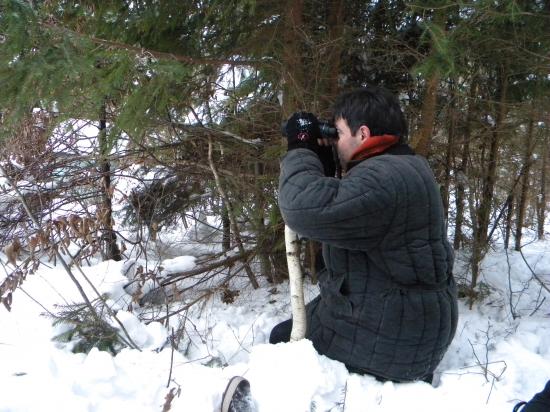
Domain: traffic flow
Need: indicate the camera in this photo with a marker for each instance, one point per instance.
(328, 131)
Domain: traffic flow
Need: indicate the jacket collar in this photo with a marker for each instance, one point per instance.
(398, 149)
(373, 146)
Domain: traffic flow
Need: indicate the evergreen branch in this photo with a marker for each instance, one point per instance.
(154, 53)
(206, 294)
(150, 150)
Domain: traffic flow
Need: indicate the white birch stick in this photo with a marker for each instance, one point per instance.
(296, 281)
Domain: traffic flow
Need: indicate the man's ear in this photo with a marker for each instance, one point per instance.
(365, 132)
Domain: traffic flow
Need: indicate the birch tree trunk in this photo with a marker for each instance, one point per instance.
(310, 79)
(296, 282)
(294, 81)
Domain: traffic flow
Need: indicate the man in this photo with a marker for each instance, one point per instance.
(387, 305)
(539, 403)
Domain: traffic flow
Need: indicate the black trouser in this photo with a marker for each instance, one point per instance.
(281, 333)
(539, 403)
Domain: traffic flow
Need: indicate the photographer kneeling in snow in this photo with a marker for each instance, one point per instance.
(388, 304)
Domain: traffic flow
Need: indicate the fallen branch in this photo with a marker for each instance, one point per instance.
(252, 142)
(225, 261)
(537, 278)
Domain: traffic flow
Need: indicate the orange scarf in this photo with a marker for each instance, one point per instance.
(374, 145)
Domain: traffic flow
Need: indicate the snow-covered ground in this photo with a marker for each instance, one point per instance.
(494, 361)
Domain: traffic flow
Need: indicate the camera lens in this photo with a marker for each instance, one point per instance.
(328, 130)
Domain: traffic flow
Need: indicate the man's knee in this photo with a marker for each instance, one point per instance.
(539, 403)
(281, 332)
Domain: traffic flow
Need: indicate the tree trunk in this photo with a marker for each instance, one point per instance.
(488, 183)
(108, 237)
(226, 228)
(332, 58)
(231, 216)
(262, 246)
(449, 154)
(292, 100)
(293, 70)
(296, 280)
(422, 139)
(522, 201)
(297, 87)
(461, 172)
(541, 198)
(509, 214)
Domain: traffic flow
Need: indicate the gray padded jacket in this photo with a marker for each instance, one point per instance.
(387, 303)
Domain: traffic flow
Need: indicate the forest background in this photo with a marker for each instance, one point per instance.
(184, 99)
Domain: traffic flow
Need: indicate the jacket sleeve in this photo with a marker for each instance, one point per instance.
(352, 213)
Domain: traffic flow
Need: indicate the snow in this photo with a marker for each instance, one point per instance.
(177, 264)
(500, 355)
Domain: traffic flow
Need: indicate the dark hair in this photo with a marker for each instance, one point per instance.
(374, 107)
